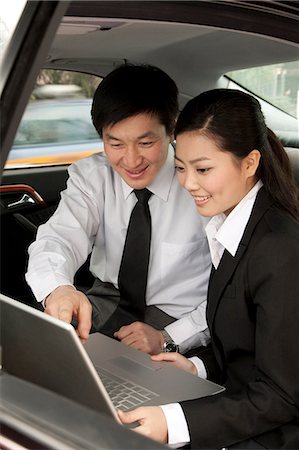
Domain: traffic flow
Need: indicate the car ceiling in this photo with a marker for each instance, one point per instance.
(97, 36)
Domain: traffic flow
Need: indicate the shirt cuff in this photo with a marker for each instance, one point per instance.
(201, 370)
(178, 433)
(50, 282)
(186, 335)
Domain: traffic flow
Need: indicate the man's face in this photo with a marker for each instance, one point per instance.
(137, 148)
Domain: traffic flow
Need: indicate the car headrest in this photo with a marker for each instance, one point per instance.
(293, 154)
(288, 138)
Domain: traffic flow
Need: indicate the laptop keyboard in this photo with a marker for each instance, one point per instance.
(123, 393)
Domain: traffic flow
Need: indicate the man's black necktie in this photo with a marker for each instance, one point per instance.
(132, 279)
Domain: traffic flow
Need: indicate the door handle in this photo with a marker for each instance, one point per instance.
(23, 201)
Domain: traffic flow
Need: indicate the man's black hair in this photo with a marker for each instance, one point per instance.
(133, 89)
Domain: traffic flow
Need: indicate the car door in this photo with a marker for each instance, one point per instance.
(24, 190)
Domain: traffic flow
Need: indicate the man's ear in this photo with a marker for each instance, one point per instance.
(252, 161)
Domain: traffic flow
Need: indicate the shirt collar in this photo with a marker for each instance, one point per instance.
(220, 227)
(161, 184)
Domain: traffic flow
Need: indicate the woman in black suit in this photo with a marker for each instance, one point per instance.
(239, 175)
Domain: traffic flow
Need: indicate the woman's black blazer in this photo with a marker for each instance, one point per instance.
(253, 316)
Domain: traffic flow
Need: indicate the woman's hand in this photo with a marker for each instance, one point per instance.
(151, 419)
(176, 360)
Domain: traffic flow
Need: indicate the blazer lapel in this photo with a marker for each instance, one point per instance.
(219, 280)
(228, 264)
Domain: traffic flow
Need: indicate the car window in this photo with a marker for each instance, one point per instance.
(56, 127)
(278, 84)
(47, 122)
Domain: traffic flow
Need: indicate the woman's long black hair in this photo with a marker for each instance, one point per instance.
(235, 120)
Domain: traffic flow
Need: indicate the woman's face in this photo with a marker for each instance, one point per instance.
(214, 178)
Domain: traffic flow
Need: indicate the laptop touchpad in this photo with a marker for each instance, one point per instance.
(126, 363)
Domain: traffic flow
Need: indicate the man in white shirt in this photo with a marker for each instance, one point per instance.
(134, 111)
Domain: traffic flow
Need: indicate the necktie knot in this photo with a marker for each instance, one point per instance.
(142, 195)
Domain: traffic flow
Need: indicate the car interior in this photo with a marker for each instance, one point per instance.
(199, 44)
(196, 45)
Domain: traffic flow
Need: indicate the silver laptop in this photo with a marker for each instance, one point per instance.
(102, 374)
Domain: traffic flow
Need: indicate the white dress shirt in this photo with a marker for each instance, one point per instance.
(93, 216)
(219, 229)
(223, 233)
